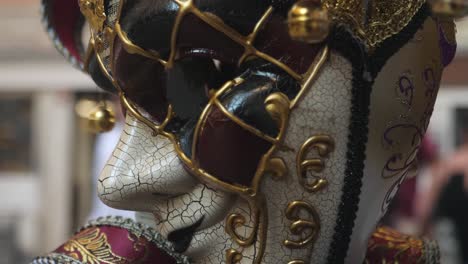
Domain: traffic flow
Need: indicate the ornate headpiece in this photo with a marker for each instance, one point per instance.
(371, 21)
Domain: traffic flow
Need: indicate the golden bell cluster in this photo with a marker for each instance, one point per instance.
(102, 119)
(308, 21)
(449, 9)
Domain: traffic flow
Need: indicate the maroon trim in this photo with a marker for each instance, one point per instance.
(64, 19)
(227, 151)
(116, 245)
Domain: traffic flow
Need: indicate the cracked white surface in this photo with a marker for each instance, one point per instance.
(390, 107)
(144, 174)
(325, 110)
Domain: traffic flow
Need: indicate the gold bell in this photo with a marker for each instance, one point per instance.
(449, 9)
(101, 120)
(308, 21)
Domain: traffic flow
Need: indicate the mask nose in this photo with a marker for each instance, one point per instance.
(143, 170)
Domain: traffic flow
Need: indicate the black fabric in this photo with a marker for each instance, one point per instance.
(343, 42)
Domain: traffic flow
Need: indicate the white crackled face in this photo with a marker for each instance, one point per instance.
(145, 174)
(244, 146)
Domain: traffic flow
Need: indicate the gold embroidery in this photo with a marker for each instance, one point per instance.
(397, 241)
(398, 245)
(93, 248)
(94, 12)
(385, 17)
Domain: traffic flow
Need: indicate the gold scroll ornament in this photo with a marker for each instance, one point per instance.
(302, 226)
(324, 145)
(306, 228)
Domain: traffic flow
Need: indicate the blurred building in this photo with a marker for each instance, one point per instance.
(450, 118)
(42, 166)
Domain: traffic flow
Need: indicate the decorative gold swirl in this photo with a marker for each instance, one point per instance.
(277, 105)
(300, 225)
(233, 256)
(235, 221)
(324, 145)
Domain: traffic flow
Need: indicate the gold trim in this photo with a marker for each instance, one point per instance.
(233, 256)
(311, 76)
(299, 225)
(237, 220)
(277, 167)
(259, 25)
(296, 262)
(215, 22)
(244, 125)
(131, 48)
(324, 145)
(204, 115)
(133, 110)
(251, 38)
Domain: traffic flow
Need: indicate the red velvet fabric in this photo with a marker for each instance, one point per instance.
(227, 151)
(108, 244)
(65, 19)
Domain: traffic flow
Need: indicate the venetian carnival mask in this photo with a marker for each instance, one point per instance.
(267, 131)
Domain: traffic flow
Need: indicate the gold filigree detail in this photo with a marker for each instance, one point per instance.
(94, 12)
(131, 48)
(376, 22)
(235, 221)
(324, 145)
(258, 234)
(93, 248)
(310, 76)
(300, 225)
